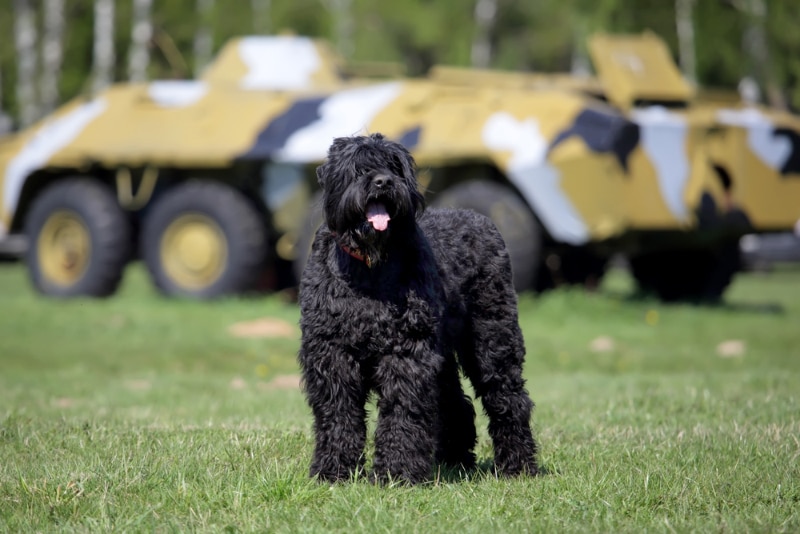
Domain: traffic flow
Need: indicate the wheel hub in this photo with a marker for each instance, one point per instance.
(64, 248)
(194, 251)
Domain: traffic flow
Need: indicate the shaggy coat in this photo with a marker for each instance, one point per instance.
(394, 299)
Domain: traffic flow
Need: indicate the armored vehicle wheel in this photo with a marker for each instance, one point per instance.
(687, 275)
(203, 240)
(79, 239)
(520, 229)
(571, 266)
(305, 237)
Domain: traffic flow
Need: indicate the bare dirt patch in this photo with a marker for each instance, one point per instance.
(732, 348)
(265, 327)
(602, 344)
(283, 382)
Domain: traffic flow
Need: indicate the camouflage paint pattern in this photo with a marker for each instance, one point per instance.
(589, 171)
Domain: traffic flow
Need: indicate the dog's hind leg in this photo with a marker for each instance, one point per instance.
(337, 395)
(492, 353)
(509, 426)
(457, 436)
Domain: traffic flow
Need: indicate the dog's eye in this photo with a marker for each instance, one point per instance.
(397, 166)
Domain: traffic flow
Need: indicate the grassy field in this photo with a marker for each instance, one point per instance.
(140, 413)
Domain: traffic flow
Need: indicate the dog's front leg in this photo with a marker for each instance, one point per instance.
(405, 437)
(336, 392)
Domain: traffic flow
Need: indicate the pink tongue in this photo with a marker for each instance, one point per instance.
(377, 216)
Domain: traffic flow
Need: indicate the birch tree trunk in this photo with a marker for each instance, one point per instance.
(261, 16)
(142, 33)
(343, 26)
(52, 53)
(684, 24)
(756, 46)
(25, 44)
(580, 64)
(103, 52)
(485, 13)
(203, 37)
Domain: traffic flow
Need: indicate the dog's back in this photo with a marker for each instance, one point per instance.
(468, 248)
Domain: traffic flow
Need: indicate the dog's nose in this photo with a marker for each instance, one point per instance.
(382, 180)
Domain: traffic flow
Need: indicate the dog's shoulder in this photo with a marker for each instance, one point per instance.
(462, 235)
(461, 221)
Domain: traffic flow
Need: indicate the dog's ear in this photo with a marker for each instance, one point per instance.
(405, 162)
(322, 174)
(339, 146)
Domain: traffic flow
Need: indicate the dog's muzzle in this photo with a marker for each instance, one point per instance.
(377, 214)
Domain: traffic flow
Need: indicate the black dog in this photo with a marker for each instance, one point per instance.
(390, 295)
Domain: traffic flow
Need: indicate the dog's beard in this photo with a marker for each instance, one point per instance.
(366, 225)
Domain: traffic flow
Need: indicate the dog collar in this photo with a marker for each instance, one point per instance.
(357, 255)
(354, 252)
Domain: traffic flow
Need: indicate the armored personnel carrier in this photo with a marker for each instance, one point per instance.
(210, 181)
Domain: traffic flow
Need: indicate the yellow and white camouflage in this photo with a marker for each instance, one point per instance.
(600, 161)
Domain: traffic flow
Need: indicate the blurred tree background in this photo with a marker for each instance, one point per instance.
(53, 50)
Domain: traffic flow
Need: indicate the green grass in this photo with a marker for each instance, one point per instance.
(140, 413)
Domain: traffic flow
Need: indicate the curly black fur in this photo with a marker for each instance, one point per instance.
(395, 310)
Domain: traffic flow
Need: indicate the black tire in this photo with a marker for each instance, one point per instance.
(79, 239)
(519, 228)
(204, 239)
(571, 266)
(695, 275)
(305, 238)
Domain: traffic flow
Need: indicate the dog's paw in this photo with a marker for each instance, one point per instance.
(335, 475)
(387, 478)
(464, 462)
(518, 467)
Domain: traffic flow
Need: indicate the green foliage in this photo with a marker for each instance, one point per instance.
(720, 60)
(785, 41)
(139, 413)
(78, 42)
(412, 32)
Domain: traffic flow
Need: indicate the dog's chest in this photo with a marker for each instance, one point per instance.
(384, 325)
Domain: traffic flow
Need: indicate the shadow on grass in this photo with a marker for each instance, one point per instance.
(443, 474)
(485, 469)
(764, 308)
(761, 308)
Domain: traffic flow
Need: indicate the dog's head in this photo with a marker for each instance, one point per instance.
(370, 191)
